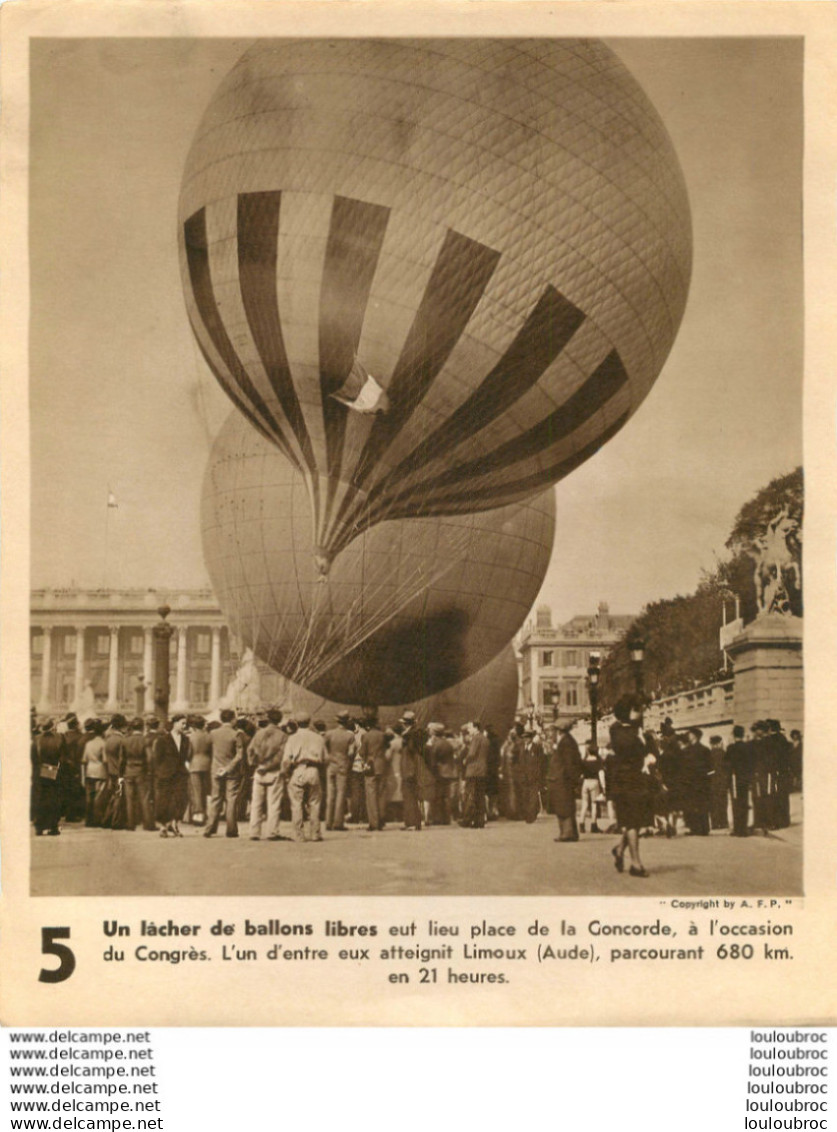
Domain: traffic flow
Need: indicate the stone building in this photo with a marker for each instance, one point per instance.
(95, 649)
(553, 660)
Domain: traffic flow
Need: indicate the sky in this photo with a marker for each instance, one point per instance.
(121, 400)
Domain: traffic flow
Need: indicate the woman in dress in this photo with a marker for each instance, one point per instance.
(628, 783)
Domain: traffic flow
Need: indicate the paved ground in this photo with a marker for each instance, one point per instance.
(504, 859)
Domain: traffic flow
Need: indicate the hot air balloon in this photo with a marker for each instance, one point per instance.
(411, 606)
(437, 275)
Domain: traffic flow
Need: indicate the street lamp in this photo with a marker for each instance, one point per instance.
(553, 691)
(593, 672)
(636, 651)
(162, 637)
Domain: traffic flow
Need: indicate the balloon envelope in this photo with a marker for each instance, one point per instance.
(410, 607)
(437, 274)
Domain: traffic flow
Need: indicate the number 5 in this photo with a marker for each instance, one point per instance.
(67, 961)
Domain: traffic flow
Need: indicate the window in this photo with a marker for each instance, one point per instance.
(571, 699)
(38, 644)
(69, 644)
(571, 658)
(103, 644)
(546, 659)
(135, 645)
(202, 646)
(198, 692)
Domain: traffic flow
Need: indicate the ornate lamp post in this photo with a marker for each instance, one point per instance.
(593, 671)
(553, 692)
(162, 638)
(636, 650)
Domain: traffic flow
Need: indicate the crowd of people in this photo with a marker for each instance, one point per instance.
(265, 769)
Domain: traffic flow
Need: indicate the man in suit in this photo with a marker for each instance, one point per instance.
(475, 772)
(134, 772)
(375, 756)
(738, 759)
(697, 773)
(227, 768)
(443, 762)
(563, 778)
(73, 791)
(527, 770)
(200, 769)
(719, 786)
(114, 752)
(413, 741)
(265, 757)
(781, 757)
(305, 753)
(339, 742)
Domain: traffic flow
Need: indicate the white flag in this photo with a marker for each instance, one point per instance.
(361, 392)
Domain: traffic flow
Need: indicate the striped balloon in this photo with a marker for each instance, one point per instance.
(493, 235)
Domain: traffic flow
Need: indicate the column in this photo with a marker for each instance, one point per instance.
(78, 679)
(148, 668)
(215, 670)
(180, 701)
(113, 670)
(45, 702)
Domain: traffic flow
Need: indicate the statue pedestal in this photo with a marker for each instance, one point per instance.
(767, 656)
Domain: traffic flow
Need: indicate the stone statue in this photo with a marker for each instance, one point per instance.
(244, 690)
(85, 703)
(778, 575)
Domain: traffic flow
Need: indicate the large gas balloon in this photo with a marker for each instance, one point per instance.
(410, 607)
(438, 274)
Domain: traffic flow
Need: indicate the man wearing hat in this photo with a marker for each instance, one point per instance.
(563, 778)
(781, 757)
(475, 771)
(265, 755)
(697, 778)
(762, 781)
(47, 758)
(413, 740)
(339, 743)
(738, 759)
(528, 771)
(305, 753)
(73, 790)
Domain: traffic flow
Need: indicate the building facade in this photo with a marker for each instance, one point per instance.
(93, 650)
(553, 660)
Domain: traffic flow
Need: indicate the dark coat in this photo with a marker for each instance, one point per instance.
(373, 751)
(697, 781)
(169, 762)
(739, 758)
(413, 747)
(134, 756)
(476, 757)
(624, 769)
(563, 775)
